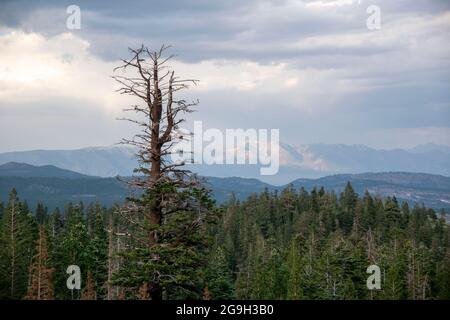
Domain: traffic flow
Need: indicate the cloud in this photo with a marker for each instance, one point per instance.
(408, 137)
(34, 68)
(310, 68)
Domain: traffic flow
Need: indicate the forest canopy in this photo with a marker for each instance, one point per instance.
(289, 245)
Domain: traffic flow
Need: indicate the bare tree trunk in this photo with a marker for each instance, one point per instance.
(155, 173)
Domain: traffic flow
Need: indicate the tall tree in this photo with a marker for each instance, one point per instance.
(41, 285)
(41, 213)
(218, 277)
(71, 247)
(166, 246)
(17, 234)
(295, 282)
(98, 254)
(89, 292)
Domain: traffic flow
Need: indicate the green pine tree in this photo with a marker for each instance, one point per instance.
(17, 235)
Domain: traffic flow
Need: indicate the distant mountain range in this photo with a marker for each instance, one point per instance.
(95, 161)
(56, 187)
(14, 169)
(303, 161)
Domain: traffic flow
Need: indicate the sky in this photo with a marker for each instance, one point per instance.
(312, 69)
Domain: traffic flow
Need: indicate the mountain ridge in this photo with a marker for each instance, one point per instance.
(27, 170)
(296, 161)
(56, 191)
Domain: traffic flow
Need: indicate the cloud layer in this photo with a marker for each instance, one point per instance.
(310, 68)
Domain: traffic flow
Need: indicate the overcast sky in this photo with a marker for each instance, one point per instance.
(310, 68)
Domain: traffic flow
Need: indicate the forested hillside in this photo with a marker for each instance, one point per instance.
(299, 161)
(289, 245)
(58, 186)
(318, 245)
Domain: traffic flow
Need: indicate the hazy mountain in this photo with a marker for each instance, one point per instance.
(431, 190)
(431, 147)
(57, 187)
(357, 158)
(224, 188)
(303, 161)
(95, 161)
(26, 170)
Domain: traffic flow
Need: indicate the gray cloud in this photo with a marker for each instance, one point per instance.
(397, 77)
(203, 29)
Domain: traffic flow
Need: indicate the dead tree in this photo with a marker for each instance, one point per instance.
(154, 85)
(166, 186)
(41, 285)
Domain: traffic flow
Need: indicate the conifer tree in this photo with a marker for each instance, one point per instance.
(98, 254)
(218, 277)
(89, 292)
(17, 235)
(55, 223)
(167, 245)
(295, 281)
(443, 277)
(41, 285)
(41, 213)
(71, 247)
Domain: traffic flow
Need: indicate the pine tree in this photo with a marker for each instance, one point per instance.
(218, 277)
(89, 292)
(418, 271)
(41, 286)
(295, 281)
(17, 235)
(349, 199)
(393, 263)
(55, 223)
(71, 247)
(98, 254)
(443, 277)
(41, 213)
(167, 222)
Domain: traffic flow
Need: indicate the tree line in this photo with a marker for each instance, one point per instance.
(289, 245)
(318, 245)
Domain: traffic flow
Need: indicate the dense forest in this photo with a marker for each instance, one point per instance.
(289, 245)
